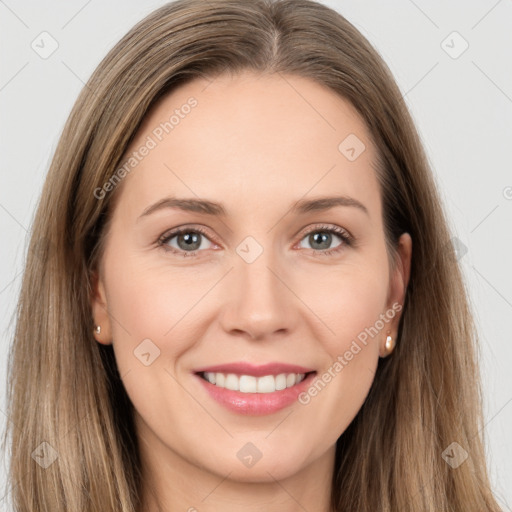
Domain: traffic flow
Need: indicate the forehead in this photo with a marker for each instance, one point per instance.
(244, 138)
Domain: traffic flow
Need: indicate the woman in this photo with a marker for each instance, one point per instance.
(262, 372)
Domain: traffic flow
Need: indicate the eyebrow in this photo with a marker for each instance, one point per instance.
(207, 207)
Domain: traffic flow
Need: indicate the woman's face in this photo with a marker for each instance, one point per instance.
(283, 276)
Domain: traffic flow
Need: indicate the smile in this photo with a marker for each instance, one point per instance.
(248, 389)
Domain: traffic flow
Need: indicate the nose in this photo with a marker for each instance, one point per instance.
(260, 303)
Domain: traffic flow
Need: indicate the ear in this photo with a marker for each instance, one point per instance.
(399, 279)
(100, 310)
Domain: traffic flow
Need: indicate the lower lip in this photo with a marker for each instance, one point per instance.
(256, 404)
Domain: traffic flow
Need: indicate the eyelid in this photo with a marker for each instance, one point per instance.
(342, 232)
(186, 227)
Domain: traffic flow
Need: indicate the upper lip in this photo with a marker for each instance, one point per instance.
(243, 368)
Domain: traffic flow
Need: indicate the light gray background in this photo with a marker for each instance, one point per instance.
(462, 107)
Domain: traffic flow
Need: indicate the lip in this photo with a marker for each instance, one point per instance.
(256, 404)
(243, 368)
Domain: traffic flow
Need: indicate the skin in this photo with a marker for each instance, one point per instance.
(256, 144)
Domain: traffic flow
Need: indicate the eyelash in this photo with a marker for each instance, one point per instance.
(347, 239)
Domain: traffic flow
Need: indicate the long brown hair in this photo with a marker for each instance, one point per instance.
(64, 389)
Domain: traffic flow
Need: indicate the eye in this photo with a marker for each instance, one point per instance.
(321, 237)
(188, 241)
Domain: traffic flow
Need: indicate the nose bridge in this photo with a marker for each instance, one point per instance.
(260, 303)
(259, 280)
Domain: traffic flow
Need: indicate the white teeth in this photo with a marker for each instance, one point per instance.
(267, 384)
(247, 384)
(232, 382)
(251, 384)
(281, 381)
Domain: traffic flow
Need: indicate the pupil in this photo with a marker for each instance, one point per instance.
(191, 240)
(325, 239)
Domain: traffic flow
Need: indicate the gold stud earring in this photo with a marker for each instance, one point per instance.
(390, 344)
(97, 329)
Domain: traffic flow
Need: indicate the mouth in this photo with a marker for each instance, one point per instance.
(255, 390)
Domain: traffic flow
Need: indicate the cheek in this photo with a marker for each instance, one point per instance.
(152, 326)
(154, 302)
(352, 309)
(350, 303)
